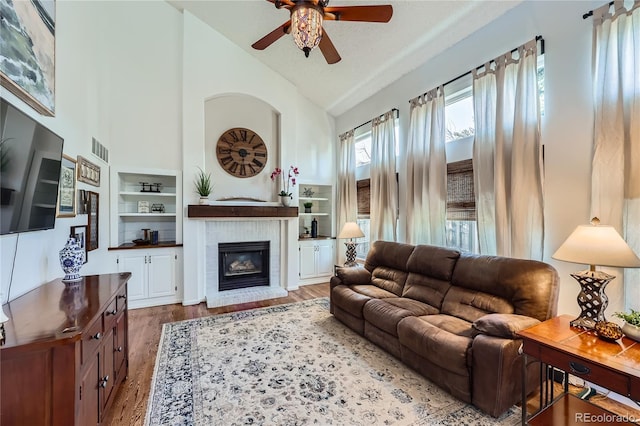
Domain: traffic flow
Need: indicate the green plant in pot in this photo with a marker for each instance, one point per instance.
(631, 327)
(203, 185)
(307, 207)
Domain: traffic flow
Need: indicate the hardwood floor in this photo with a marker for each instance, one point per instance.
(145, 327)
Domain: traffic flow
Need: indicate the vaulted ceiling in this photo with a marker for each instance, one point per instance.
(373, 54)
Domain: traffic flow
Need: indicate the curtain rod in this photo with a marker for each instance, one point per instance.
(538, 38)
(367, 122)
(590, 13)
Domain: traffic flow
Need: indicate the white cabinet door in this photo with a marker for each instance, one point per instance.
(162, 275)
(307, 260)
(136, 264)
(324, 258)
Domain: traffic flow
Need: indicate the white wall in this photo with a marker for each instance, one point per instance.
(135, 75)
(566, 126)
(118, 78)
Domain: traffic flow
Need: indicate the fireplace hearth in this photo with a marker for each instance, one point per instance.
(243, 264)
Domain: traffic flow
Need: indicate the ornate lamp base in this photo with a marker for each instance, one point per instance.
(592, 299)
(351, 253)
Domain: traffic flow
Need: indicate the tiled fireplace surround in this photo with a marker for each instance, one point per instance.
(228, 230)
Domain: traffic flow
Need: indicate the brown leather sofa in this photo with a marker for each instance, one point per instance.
(452, 317)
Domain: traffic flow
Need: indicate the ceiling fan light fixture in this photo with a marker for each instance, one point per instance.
(306, 27)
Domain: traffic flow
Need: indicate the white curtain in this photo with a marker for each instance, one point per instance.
(615, 182)
(384, 187)
(507, 157)
(347, 195)
(426, 201)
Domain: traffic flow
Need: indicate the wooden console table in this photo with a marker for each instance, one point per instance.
(66, 352)
(613, 365)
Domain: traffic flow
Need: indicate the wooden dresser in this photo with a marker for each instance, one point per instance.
(66, 352)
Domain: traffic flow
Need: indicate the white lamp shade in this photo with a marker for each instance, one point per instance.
(351, 230)
(597, 245)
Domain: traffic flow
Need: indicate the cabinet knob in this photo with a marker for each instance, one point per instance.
(122, 296)
(97, 336)
(119, 349)
(112, 312)
(103, 382)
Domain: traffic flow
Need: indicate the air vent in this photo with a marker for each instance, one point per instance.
(99, 150)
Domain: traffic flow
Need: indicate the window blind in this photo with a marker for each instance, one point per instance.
(461, 203)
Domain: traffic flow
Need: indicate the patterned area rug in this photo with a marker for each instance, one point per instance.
(291, 365)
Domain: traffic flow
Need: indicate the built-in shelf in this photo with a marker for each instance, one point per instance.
(313, 199)
(314, 214)
(147, 193)
(147, 214)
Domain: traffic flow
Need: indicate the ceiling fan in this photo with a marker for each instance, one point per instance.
(305, 24)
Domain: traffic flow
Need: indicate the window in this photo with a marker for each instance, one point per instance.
(458, 112)
(363, 188)
(461, 229)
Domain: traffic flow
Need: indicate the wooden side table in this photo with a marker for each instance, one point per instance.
(612, 365)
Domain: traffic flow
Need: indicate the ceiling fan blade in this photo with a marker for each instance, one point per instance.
(328, 49)
(377, 13)
(274, 35)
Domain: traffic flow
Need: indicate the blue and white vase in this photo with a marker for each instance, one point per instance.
(71, 260)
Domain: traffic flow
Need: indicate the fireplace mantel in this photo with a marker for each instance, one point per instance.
(204, 211)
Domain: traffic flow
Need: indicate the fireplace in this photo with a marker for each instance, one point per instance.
(243, 264)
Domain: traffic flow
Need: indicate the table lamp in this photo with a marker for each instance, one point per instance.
(350, 230)
(593, 245)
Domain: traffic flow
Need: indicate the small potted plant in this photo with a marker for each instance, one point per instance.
(631, 327)
(307, 207)
(203, 186)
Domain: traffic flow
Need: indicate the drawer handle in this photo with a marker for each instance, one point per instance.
(113, 312)
(122, 296)
(119, 349)
(579, 368)
(97, 336)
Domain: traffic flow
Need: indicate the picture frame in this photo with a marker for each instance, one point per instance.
(79, 232)
(88, 172)
(82, 202)
(93, 204)
(143, 206)
(66, 205)
(30, 51)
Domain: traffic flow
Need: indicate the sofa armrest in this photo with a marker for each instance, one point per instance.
(503, 325)
(353, 276)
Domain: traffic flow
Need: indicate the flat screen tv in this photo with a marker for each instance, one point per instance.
(30, 161)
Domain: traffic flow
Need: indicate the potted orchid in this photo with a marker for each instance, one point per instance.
(288, 182)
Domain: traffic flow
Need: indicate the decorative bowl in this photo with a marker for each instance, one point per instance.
(608, 330)
(631, 331)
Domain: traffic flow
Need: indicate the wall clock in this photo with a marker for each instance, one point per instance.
(241, 152)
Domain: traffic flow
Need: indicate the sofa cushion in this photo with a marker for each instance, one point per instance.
(451, 324)
(372, 291)
(349, 300)
(389, 254)
(471, 304)
(503, 325)
(386, 313)
(530, 286)
(433, 261)
(439, 346)
(389, 279)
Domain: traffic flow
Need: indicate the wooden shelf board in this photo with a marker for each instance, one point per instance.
(203, 211)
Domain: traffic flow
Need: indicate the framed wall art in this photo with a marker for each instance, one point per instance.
(88, 172)
(79, 232)
(66, 206)
(27, 59)
(92, 223)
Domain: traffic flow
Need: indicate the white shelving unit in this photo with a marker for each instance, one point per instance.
(127, 222)
(316, 255)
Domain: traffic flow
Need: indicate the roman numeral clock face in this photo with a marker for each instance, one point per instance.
(241, 152)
